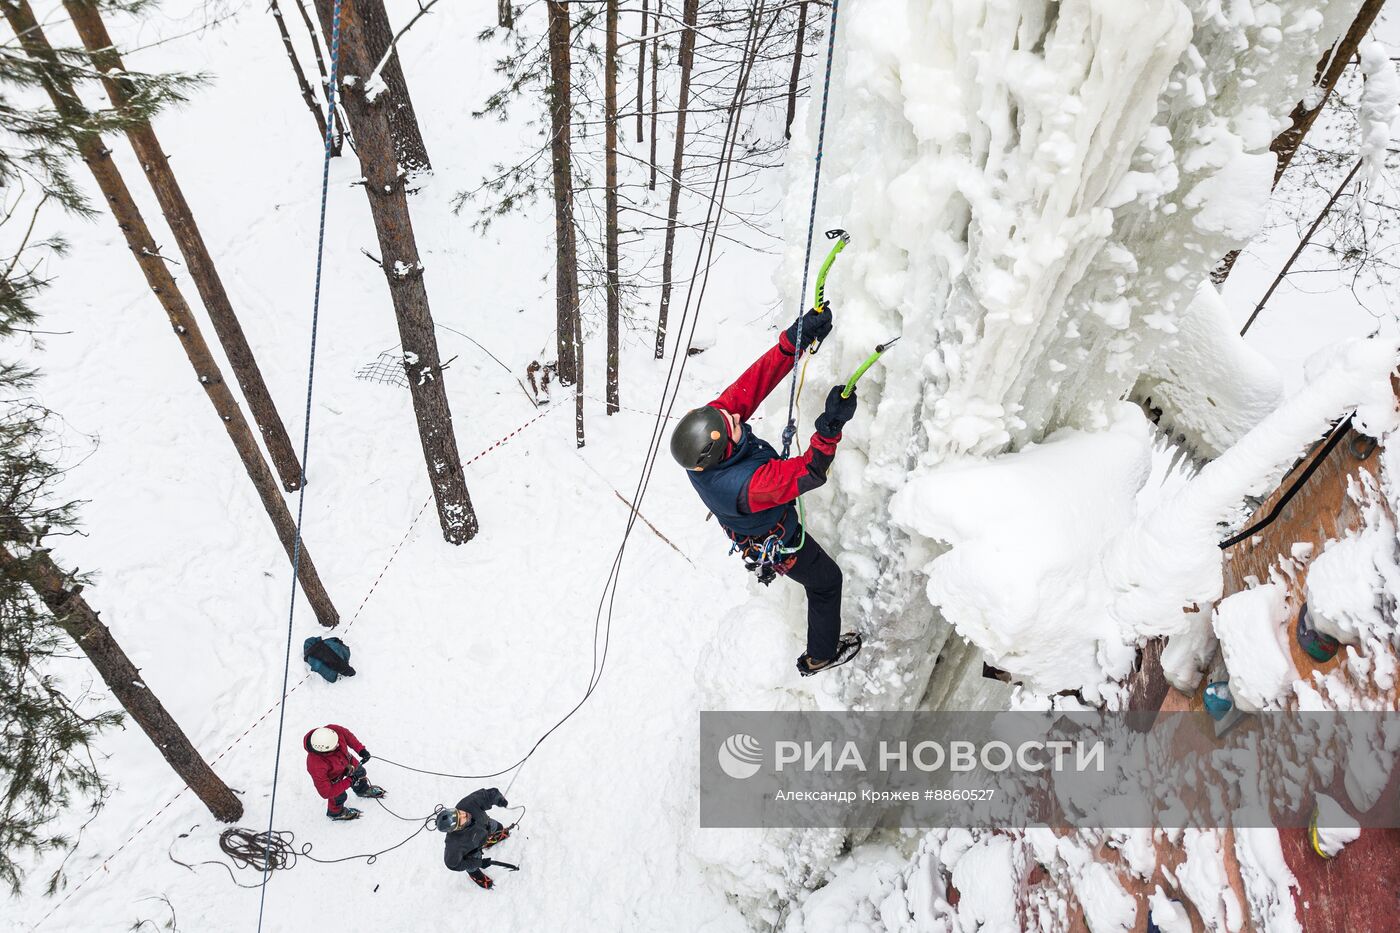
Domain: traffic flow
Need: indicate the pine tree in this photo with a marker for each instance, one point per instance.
(45, 731)
(687, 62)
(52, 69)
(610, 252)
(87, 19)
(379, 129)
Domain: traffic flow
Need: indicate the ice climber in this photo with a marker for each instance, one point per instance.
(335, 760)
(751, 490)
(470, 832)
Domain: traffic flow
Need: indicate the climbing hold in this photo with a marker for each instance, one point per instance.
(1319, 645)
(1217, 699)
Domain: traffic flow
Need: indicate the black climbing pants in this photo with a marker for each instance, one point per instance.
(821, 578)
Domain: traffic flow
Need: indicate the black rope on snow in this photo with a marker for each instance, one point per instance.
(1329, 445)
(276, 850)
(305, 451)
(675, 372)
(790, 431)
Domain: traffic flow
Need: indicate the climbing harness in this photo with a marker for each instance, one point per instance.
(764, 555)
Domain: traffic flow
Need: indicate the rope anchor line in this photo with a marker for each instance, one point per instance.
(790, 431)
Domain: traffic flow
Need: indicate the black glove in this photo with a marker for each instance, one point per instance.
(365, 755)
(503, 803)
(838, 411)
(486, 863)
(815, 327)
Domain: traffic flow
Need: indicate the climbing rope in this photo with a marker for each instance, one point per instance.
(670, 392)
(305, 437)
(276, 850)
(790, 431)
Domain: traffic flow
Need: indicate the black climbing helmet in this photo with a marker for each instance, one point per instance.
(447, 820)
(699, 440)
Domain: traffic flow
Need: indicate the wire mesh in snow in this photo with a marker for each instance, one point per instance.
(386, 369)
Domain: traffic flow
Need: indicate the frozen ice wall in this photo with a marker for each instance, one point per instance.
(1035, 191)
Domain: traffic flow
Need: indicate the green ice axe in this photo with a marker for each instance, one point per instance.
(819, 293)
(869, 362)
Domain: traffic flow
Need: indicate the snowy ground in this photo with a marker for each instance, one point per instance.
(466, 655)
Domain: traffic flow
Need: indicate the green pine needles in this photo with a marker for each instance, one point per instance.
(47, 719)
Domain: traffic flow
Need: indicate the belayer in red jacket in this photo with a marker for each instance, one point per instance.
(332, 762)
(751, 490)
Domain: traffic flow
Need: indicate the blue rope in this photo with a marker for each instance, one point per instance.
(790, 431)
(305, 433)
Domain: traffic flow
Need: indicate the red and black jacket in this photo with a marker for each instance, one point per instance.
(751, 490)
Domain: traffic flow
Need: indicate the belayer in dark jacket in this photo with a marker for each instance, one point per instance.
(470, 831)
(751, 490)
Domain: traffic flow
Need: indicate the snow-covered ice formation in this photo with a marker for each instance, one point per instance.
(1036, 193)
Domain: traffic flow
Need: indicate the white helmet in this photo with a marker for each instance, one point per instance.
(324, 739)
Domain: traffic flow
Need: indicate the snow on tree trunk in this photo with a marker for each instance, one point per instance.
(144, 248)
(375, 142)
(392, 96)
(87, 19)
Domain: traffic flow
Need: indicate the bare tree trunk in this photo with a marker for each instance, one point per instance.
(143, 246)
(394, 103)
(690, 13)
(1302, 245)
(578, 387)
(388, 203)
(655, 58)
(796, 68)
(610, 207)
(566, 262)
(505, 14)
(338, 141)
(1329, 72)
(73, 614)
(307, 94)
(641, 69)
(93, 32)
